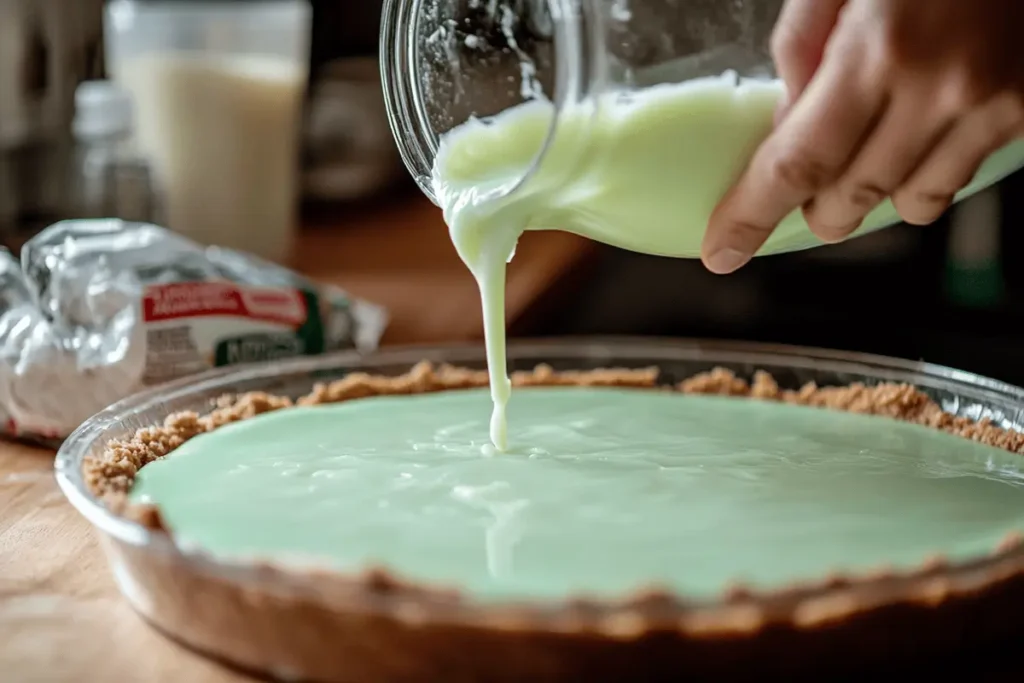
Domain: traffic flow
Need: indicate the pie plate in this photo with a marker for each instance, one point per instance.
(322, 625)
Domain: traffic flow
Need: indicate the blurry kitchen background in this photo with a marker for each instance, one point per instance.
(948, 293)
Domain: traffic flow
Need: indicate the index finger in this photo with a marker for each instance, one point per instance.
(809, 149)
(798, 42)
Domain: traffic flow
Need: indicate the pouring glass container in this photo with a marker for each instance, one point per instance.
(447, 61)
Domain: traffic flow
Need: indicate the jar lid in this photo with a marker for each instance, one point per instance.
(102, 109)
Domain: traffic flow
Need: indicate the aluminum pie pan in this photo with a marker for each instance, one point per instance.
(283, 623)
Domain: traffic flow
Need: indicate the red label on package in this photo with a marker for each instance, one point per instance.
(223, 299)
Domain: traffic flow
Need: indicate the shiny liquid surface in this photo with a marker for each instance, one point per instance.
(642, 171)
(601, 491)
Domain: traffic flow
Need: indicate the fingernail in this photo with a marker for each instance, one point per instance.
(725, 261)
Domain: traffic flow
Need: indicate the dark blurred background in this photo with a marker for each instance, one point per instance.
(948, 293)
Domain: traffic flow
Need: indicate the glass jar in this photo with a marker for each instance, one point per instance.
(219, 88)
(448, 61)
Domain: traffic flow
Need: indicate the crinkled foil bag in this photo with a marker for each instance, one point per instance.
(99, 309)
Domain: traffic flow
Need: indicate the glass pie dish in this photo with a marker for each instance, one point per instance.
(327, 626)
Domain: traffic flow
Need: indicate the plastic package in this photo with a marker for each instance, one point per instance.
(98, 309)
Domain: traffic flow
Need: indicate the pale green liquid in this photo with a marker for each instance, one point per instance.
(641, 171)
(602, 491)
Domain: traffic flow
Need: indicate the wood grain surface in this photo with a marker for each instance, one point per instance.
(401, 255)
(61, 617)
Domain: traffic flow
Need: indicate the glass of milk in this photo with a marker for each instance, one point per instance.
(219, 89)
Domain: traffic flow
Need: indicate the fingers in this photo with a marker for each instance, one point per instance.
(953, 163)
(904, 136)
(798, 43)
(807, 152)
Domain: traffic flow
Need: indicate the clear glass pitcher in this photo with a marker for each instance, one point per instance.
(444, 61)
(447, 61)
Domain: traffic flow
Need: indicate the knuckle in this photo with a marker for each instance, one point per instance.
(740, 234)
(747, 232)
(1010, 113)
(881, 63)
(785, 43)
(801, 171)
(897, 42)
(959, 93)
(866, 195)
(884, 55)
(1016, 106)
(883, 45)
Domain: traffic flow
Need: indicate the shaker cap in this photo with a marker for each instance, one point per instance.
(102, 109)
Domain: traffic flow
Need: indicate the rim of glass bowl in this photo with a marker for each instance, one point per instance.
(418, 143)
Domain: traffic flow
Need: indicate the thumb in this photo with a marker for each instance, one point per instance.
(798, 43)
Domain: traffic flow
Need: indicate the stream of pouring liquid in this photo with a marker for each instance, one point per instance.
(642, 172)
(487, 253)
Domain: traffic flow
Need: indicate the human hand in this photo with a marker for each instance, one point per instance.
(887, 98)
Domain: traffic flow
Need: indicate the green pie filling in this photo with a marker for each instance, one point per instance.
(602, 492)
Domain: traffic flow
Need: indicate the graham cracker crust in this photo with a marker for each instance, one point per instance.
(111, 476)
(338, 627)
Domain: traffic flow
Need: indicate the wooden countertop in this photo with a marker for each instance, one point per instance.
(401, 255)
(61, 618)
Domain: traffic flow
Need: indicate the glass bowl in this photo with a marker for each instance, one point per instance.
(285, 624)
